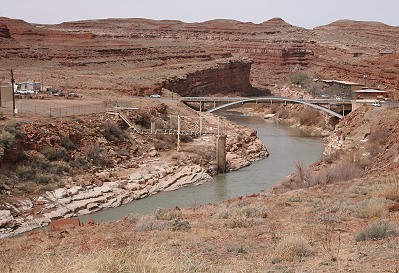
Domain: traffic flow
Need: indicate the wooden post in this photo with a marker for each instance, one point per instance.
(178, 133)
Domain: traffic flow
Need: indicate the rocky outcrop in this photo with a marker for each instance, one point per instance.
(230, 76)
(4, 31)
(80, 200)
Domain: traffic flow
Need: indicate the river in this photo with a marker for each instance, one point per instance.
(286, 146)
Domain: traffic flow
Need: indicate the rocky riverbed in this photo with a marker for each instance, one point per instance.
(156, 172)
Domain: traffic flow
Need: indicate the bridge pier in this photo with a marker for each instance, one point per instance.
(221, 153)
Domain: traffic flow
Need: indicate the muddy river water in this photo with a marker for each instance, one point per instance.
(286, 146)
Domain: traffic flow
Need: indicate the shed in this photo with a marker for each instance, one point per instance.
(5, 93)
(344, 85)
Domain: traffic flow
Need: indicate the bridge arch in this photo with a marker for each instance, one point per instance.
(271, 99)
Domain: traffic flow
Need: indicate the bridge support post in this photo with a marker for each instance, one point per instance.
(221, 153)
(201, 106)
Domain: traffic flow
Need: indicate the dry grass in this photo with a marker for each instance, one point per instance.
(372, 208)
(167, 214)
(125, 260)
(243, 214)
(388, 188)
(292, 248)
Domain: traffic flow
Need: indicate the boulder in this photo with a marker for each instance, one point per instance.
(6, 219)
(60, 193)
(104, 176)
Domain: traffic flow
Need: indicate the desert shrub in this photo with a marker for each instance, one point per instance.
(283, 114)
(132, 217)
(180, 225)
(94, 154)
(185, 138)
(6, 139)
(52, 153)
(377, 231)
(372, 208)
(300, 78)
(34, 174)
(160, 145)
(67, 143)
(59, 167)
(143, 119)
(15, 129)
(243, 214)
(167, 214)
(39, 169)
(112, 132)
(44, 178)
(292, 248)
(309, 116)
(305, 177)
(39, 161)
(378, 136)
(79, 162)
(390, 188)
(26, 172)
(238, 221)
(149, 222)
(344, 170)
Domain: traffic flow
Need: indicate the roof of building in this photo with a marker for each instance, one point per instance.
(369, 91)
(342, 82)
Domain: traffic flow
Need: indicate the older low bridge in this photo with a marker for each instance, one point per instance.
(217, 103)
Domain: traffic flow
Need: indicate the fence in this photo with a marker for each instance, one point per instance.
(87, 109)
(42, 108)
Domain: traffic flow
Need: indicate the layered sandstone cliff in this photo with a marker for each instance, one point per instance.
(138, 56)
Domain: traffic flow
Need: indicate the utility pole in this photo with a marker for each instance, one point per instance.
(13, 95)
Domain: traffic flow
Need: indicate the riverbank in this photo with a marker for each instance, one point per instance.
(153, 172)
(340, 226)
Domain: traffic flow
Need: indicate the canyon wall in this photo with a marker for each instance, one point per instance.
(226, 77)
(138, 56)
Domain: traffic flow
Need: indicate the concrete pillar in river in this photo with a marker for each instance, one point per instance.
(221, 153)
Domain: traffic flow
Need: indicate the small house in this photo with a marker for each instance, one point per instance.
(30, 85)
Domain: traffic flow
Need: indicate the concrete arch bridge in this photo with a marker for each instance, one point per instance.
(212, 104)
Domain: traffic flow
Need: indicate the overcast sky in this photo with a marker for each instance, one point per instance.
(303, 13)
